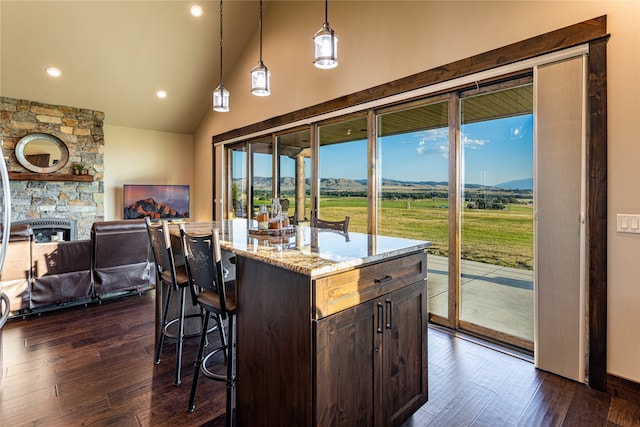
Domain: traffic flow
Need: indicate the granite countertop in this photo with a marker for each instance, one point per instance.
(309, 251)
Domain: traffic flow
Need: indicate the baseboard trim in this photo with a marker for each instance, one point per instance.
(623, 388)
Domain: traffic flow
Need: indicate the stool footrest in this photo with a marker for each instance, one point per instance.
(206, 372)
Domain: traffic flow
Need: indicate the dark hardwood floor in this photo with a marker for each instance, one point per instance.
(94, 366)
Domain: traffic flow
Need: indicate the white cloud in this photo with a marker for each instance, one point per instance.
(433, 142)
(473, 144)
(436, 142)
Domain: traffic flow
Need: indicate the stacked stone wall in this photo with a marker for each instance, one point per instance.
(82, 131)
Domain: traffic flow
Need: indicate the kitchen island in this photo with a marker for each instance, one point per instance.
(331, 327)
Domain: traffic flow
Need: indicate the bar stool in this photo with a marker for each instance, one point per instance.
(203, 260)
(342, 226)
(174, 278)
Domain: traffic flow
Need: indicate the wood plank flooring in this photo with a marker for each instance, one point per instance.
(94, 366)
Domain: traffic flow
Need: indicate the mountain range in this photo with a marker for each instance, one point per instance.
(345, 184)
(518, 184)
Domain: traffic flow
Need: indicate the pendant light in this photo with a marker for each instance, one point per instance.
(220, 94)
(260, 75)
(326, 44)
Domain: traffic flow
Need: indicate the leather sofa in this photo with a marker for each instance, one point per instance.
(122, 256)
(42, 276)
(61, 273)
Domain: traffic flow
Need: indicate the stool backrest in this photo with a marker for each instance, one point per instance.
(161, 247)
(203, 261)
(331, 225)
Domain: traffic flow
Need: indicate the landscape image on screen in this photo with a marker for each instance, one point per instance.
(156, 201)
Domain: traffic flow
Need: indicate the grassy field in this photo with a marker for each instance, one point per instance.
(499, 237)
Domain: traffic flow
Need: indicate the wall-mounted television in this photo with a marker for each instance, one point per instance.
(159, 202)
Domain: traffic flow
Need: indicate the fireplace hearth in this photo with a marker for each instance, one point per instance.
(45, 228)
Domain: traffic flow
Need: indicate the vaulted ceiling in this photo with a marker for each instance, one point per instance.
(115, 56)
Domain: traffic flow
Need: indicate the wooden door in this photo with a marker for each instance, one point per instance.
(405, 352)
(348, 351)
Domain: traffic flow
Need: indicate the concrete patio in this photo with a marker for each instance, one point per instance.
(495, 297)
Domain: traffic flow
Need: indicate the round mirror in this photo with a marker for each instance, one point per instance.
(41, 152)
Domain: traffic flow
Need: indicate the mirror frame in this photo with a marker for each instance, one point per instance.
(24, 141)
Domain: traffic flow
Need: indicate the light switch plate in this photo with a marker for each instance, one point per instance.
(627, 223)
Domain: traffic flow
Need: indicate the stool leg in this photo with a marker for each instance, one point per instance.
(203, 338)
(164, 324)
(223, 337)
(180, 337)
(202, 314)
(230, 379)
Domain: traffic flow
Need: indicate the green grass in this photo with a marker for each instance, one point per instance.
(499, 237)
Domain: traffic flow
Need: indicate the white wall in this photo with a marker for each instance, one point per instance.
(138, 156)
(385, 40)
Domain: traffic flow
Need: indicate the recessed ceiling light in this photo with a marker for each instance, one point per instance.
(196, 10)
(161, 94)
(53, 71)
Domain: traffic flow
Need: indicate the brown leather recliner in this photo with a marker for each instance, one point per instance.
(121, 256)
(43, 276)
(61, 273)
(16, 272)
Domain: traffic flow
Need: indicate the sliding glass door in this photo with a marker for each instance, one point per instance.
(261, 174)
(413, 186)
(237, 156)
(294, 174)
(342, 172)
(455, 169)
(496, 234)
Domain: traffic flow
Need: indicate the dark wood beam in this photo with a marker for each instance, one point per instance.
(30, 176)
(597, 212)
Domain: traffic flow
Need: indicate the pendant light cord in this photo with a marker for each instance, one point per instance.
(326, 12)
(261, 31)
(220, 41)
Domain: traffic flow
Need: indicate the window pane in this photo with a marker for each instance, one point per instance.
(295, 174)
(238, 179)
(261, 179)
(497, 211)
(413, 165)
(343, 173)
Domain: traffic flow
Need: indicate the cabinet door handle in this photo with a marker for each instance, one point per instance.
(380, 318)
(385, 279)
(389, 314)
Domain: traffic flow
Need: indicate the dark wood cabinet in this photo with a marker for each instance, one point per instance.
(346, 372)
(405, 384)
(345, 349)
(371, 360)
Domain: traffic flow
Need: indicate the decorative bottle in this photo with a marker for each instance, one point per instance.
(275, 222)
(263, 218)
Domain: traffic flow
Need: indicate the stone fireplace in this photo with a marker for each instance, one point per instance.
(48, 229)
(80, 203)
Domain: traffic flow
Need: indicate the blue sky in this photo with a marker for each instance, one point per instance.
(494, 152)
(498, 151)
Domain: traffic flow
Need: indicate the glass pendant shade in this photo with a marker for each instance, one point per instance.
(326, 48)
(260, 77)
(220, 94)
(221, 99)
